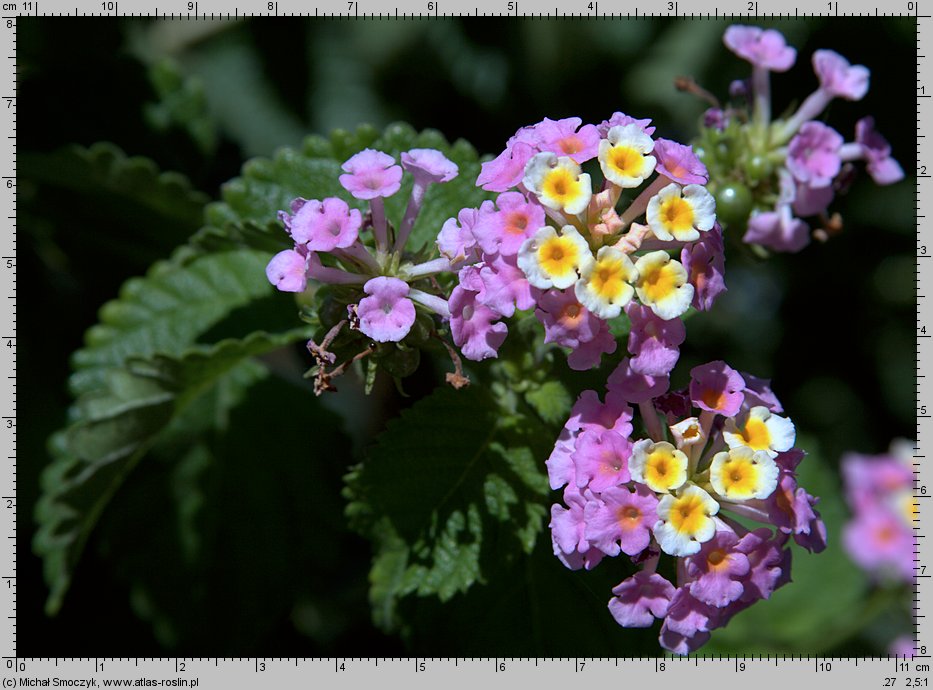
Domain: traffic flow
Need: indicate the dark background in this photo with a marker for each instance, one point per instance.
(833, 325)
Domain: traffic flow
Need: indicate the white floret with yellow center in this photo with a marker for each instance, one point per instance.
(660, 466)
(605, 285)
(743, 474)
(688, 432)
(685, 521)
(558, 182)
(549, 259)
(681, 213)
(623, 156)
(759, 429)
(662, 285)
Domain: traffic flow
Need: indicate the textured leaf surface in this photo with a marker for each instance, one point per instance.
(114, 427)
(167, 310)
(450, 490)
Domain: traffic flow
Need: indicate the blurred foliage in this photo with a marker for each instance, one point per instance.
(246, 549)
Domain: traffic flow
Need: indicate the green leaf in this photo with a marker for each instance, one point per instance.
(130, 183)
(551, 401)
(168, 310)
(113, 428)
(181, 103)
(251, 202)
(451, 490)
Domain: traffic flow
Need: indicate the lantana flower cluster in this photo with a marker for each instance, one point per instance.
(880, 491)
(717, 451)
(769, 174)
(580, 254)
(385, 288)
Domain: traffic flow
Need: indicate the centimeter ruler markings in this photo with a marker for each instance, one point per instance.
(914, 671)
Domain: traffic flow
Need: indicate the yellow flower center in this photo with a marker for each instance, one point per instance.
(740, 478)
(608, 279)
(661, 470)
(558, 256)
(626, 161)
(688, 514)
(660, 282)
(561, 186)
(756, 434)
(677, 214)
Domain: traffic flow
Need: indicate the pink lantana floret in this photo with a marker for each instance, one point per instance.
(429, 165)
(288, 271)
(371, 174)
(567, 138)
(877, 152)
(653, 342)
(387, 314)
(717, 387)
(679, 163)
(601, 460)
(325, 225)
(813, 155)
(640, 599)
(622, 520)
(764, 48)
(475, 328)
(505, 230)
(838, 78)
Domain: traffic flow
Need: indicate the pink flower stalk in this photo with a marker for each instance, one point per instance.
(679, 497)
(427, 166)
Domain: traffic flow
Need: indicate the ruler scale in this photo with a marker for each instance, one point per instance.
(738, 672)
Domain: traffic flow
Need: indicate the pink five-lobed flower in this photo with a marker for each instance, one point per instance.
(567, 531)
(813, 154)
(879, 542)
(717, 569)
(679, 163)
(567, 138)
(589, 413)
(429, 166)
(387, 314)
(634, 387)
(838, 78)
(475, 328)
(705, 264)
(717, 387)
(566, 321)
(324, 225)
(505, 287)
(505, 230)
(601, 460)
(640, 599)
(620, 120)
(507, 169)
(288, 271)
(653, 342)
(621, 520)
(764, 48)
(877, 152)
(758, 393)
(688, 623)
(371, 174)
(769, 564)
(777, 231)
(456, 241)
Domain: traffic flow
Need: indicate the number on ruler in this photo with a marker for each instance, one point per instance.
(108, 6)
(191, 7)
(9, 424)
(513, 7)
(923, 170)
(910, 7)
(751, 6)
(9, 503)
(431, 7)
(923, 490)
(9, 103)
